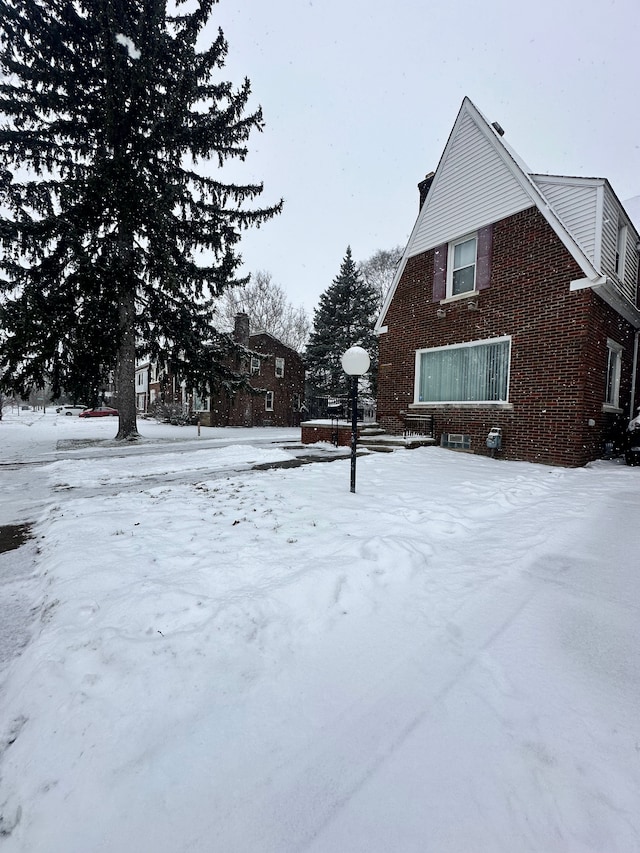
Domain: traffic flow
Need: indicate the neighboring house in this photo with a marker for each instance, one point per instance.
(158, 385)
(275, 370)
(515, 306)
(143, 370)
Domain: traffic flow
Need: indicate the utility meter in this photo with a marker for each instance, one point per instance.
(494, 439)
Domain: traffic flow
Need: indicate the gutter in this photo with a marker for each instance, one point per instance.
(609, 293)
(634, 374)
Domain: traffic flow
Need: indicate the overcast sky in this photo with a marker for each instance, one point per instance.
(359, 97)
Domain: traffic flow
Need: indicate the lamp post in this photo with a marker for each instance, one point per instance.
(355, 363)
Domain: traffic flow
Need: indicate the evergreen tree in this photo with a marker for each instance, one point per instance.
(345, 317)
(116, 240)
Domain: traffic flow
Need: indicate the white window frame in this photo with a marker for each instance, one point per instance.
(621, 249)
(279, 368)
(451, 268)
(612, 376)
(268, 401)
(255, 365)
(469, 345)
(200, 404)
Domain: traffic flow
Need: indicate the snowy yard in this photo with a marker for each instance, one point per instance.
(225, 660)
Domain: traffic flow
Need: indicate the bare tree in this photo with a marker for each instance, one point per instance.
(378, 270)
(268, 309)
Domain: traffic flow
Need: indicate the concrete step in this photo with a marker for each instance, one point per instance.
(383, 442)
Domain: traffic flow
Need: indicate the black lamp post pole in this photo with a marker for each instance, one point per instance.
(354, 429)
(355, 363)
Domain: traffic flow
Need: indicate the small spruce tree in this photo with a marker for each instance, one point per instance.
(116, 241)
(345, 317)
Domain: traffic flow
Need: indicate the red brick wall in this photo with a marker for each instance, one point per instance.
(314, 433)
(246, 409)
(558, 349)
(284, 388)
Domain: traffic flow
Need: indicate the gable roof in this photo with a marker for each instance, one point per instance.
(496, 184)
(262, 333)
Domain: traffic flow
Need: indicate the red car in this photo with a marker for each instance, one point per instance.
(99, 412)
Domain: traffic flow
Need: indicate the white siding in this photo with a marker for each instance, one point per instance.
(609, 235)
(473, 187)
(576, 203)
(613, 213)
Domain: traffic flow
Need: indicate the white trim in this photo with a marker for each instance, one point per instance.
(451, 249)
(473, 343)
(597, 249)
(621, 248)
(267, 407)
(613, 404)
(469, 294)
(609, 292)
(472, 404)
(585, 283)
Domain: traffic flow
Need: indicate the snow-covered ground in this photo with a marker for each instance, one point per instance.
(216, 658)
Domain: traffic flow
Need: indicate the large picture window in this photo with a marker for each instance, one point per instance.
(476, 372)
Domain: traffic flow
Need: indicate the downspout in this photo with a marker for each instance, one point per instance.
(634, 374)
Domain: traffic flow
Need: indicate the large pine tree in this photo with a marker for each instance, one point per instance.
(345, 317)
(116, 239)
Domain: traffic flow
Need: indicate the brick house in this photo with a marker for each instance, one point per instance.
(273, 368)
(515, 306)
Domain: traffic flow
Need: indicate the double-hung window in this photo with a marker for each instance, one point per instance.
(268, 401)
(621, 246)
(255, 364)
(279, 368)
(476, 372)
(614, 365)
(462, 266)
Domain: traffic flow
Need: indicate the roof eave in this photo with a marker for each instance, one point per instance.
(608, 291)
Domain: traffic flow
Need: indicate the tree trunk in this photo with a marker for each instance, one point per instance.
(126, 369)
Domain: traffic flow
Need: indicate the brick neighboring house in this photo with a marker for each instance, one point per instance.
(275, 369)
(515, 306)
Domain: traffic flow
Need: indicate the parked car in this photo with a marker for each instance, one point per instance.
(71, 409)
(632, 448)
(99, 412)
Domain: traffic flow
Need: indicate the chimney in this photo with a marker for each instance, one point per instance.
(424, 187)
(241, 330)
